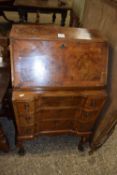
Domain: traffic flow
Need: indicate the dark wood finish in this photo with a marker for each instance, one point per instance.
(4, 4)
(23, 7)
(50, 6)
(58, 80)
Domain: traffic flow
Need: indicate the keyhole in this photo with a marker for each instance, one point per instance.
(62, 46)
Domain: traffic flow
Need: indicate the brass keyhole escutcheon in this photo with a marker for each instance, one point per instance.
(62, 46)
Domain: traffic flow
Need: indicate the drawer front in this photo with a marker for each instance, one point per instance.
(24, 113)
(26, 119)
(94, 102)
(86, 116)
(24, 107)
(59, 101)
(83, 127)
(55, 125)
(55, 114)
(85, 120)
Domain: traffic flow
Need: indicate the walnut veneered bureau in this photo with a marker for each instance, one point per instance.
(59, 78)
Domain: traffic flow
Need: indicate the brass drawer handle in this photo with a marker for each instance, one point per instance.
(26, 107)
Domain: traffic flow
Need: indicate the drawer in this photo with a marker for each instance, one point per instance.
(56, 114)
(26, 119)
(94, 102)
(60, 101)
(86, 116)
(55, 125)
(24, 107)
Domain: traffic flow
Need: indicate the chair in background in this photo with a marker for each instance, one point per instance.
(5, 4)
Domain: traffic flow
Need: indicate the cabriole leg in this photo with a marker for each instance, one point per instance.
(83, 140)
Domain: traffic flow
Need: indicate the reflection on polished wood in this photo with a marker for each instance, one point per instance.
(59, 77)
(55, 62)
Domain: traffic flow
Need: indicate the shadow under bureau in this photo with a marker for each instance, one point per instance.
(59, 78)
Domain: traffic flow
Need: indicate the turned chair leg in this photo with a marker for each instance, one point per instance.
(54, 18)
(37, 18)
(23, 16)
(5, 17)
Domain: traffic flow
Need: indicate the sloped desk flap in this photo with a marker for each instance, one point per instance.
(57, 57)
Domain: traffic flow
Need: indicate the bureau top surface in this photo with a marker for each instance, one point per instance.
(49, 32)
(53, 57)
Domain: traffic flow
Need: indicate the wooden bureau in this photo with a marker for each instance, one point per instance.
(59, 78)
